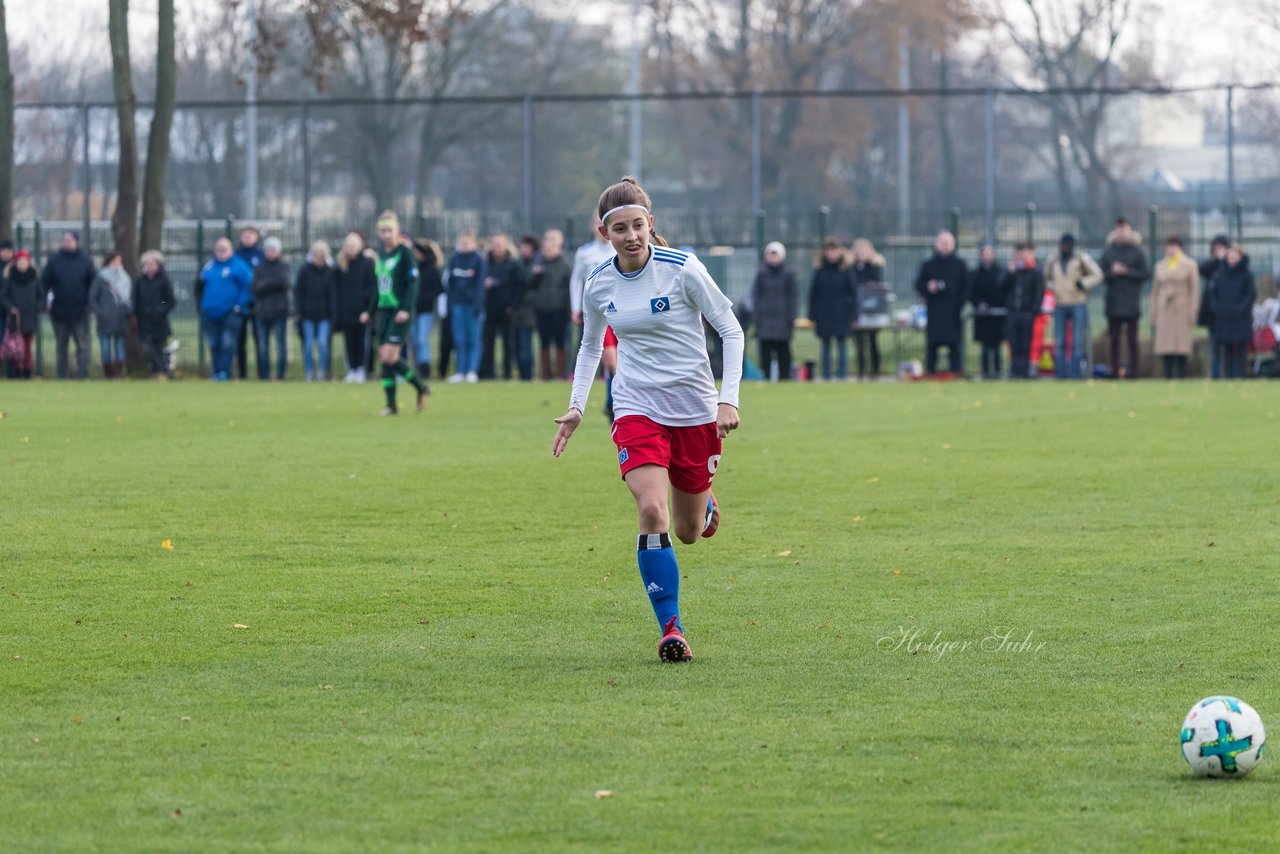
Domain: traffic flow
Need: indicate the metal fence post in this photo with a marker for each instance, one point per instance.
(1153, 223)
(18, 236)
(86, 242)
(824, 217)
(1031, 222)
(759, 235)
(35, 254)
(306, 179)
(756, 155)
(989, 179)
(230, 226)
(1239, 220)
(955, 224)
(527, 155)
(568, 230)
(199, 325)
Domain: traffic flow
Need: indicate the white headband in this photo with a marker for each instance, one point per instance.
(604, 219)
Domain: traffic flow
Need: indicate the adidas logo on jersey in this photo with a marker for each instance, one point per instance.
(611, 308)
(653, 588)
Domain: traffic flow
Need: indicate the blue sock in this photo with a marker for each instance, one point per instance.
(661, 576)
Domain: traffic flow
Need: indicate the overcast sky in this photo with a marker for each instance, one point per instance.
(1192, 46)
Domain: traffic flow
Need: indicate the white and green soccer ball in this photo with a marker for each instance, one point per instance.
(1222, 737)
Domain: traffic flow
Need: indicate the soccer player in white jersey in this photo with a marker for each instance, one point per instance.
(670, 419)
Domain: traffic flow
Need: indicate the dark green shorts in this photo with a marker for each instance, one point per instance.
(387, 331)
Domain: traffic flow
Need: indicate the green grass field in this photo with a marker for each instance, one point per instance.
(425, 633)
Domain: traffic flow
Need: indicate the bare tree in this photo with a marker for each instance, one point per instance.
(124, 220)
(6, 131)
(1071, 45)
(153, 194)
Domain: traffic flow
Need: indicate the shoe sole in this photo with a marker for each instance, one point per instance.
(714, 524)
(673, 650)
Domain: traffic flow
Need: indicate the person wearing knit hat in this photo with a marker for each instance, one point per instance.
(774, 304)
(1071, 274)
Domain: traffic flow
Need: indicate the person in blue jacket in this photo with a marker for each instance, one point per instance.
(224, 284)
(464, 283)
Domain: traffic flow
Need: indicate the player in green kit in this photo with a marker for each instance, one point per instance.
(397, 274)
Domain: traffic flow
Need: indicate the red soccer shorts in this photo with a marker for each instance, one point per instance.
(610, 340)
(689, 454)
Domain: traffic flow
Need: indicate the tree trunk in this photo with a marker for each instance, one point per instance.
(153, 193)
(6, 131)
(124, 221)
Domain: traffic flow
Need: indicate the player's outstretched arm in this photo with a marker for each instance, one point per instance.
(568, 423)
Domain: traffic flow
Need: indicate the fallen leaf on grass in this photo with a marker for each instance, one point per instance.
(897, 572)
(603, 793)
(857, 518)
(326, 687)
(26, 440)
(784, 552)
(239, 626)
(75, 719)
(185, 718)
(873, 480)
(176, 813)
(166, 544)
(1132, 414)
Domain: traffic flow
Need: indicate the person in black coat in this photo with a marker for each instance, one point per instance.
(1234, 291)
(1124, 263)
(356, 285)
(867, 269)
(504, 290)
(153, 300)
(20, 306)
(990, 315)
(1209, 269)
(315, 296)
(1023, 288)
(67, 276)
(430, 286)
(773, 305)
(271, 284)
(943, 283)
(831, 306)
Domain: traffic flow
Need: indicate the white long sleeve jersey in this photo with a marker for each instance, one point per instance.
(656, 312)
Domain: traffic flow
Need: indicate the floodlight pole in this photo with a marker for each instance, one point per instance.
(1231, 148)
(990, 178)
(756, 165)
(633, 89)
(251, 118)
(904, 135)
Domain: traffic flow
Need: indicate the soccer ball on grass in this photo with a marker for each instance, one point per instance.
(1222, 737)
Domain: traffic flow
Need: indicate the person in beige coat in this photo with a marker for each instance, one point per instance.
(1070, 275)
(1175, 301)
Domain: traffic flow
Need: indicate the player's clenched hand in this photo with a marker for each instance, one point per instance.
(726, 419)
(568, 423)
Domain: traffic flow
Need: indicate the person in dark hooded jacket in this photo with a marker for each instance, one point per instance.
(831, 306)
(943, 283)
(356, 283)
(1023, 289)
(315, 299)
(773, 305)
(153, 300)
(989, 310)
(1234, 291)
(504, 290)
(20, 306)
(271, 284)
(1124, 263)
(67, 276)
(1209, 269)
